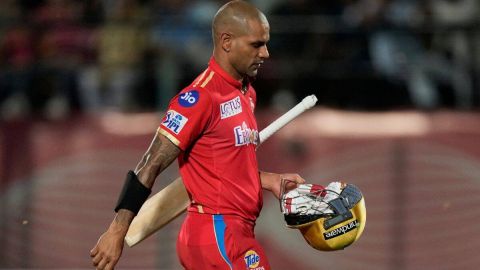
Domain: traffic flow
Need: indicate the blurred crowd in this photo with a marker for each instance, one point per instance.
(59, 57)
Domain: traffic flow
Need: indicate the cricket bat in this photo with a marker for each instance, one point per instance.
(173, 200)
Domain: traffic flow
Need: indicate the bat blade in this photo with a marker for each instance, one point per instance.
(158, 211)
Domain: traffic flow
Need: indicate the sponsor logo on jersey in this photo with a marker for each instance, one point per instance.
(230, 108)
(174, 121)
(252, 105)
(252, 260)
(189, 98)
(245, 136)
(341, 230)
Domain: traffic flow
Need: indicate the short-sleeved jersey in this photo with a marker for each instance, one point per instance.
(212, 121)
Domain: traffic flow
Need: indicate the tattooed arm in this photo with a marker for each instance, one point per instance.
(161, 153)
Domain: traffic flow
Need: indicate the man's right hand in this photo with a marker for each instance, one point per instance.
(109, 247)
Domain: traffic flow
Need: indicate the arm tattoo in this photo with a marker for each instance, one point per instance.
(161, 153)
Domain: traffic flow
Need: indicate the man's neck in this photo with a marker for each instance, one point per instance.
(225, 65)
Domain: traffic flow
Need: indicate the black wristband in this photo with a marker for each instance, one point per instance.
(133, 195)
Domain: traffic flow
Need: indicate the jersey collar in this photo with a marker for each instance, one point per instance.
(227, 77)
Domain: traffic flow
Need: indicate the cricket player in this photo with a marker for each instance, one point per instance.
(210, 128)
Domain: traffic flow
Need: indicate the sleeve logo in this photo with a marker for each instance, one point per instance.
(174, 121)
(189, 98)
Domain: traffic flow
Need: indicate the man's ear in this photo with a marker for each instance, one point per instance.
(226, 41)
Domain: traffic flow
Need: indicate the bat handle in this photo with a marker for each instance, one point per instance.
(307, 103)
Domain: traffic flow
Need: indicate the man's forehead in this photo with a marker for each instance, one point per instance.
(258, 28)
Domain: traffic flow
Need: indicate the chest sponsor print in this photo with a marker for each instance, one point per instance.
(245, 135)
(230, 108)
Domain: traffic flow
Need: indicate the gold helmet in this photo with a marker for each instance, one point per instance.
(330, 218)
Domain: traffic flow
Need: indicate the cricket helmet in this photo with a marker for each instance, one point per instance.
(329, 218)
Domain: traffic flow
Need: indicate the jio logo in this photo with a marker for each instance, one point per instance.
(188, 99)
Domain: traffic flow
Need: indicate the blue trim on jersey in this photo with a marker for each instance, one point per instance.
(219, 229)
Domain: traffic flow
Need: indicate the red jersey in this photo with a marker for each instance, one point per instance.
(213, 122)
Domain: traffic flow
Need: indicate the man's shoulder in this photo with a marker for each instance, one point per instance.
(204, 79)
(191, 95)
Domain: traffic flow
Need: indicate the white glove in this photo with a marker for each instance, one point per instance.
(310, 199)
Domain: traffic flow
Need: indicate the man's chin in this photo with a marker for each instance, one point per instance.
(253, 73)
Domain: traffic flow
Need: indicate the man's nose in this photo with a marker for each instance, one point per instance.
(264, 52)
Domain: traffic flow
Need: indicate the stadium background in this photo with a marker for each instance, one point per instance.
(83, 85)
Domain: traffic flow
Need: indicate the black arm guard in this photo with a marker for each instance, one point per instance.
(133, 195)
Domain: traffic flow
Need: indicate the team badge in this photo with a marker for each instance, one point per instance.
(189, 98)
(230, 108)
(252, 104)
(252, 260)
(174, 121)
